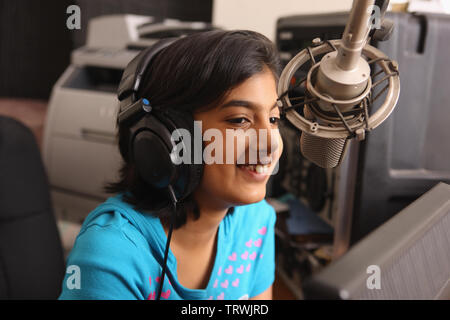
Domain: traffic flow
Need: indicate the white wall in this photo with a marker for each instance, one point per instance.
(261, 15)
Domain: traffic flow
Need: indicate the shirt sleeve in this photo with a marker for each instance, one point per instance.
(105, 264)
(265, 259)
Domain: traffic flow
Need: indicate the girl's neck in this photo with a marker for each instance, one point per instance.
(195, 233)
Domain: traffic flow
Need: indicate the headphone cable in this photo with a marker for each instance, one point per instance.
(169, 236)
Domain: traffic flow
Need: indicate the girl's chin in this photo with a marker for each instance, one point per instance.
(243, 196)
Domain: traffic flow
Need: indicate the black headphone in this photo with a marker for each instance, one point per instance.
(150, 144)
(150, 137)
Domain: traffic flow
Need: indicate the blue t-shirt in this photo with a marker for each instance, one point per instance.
(119, 253)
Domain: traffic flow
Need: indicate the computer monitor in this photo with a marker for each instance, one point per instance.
(408, 257)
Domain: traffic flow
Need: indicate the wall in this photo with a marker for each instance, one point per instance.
(261, 15)
(35, 44)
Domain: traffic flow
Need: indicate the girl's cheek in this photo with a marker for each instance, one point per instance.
(280, 146)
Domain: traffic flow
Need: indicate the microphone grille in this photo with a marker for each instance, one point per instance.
(326, 153)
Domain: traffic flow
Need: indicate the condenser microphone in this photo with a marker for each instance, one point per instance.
(339, 89)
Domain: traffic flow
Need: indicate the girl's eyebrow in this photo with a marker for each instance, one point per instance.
(244, 103)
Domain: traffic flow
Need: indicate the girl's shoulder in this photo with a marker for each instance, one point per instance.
(112, 256)
(118, 218)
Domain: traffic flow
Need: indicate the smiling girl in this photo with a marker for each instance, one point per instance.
(222, 244)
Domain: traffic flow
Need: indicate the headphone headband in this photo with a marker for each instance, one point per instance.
(131, 79)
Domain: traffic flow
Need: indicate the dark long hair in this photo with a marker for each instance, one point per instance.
(194, 72)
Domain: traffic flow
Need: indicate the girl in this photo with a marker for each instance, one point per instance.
(222, 246)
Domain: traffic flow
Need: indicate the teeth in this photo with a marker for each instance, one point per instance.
(262, 168)
(259, 168)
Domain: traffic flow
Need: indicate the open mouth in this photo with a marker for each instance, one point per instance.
(256, 168)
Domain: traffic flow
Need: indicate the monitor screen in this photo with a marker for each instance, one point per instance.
(408, 257)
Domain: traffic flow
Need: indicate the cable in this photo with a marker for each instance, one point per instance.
(169, 236)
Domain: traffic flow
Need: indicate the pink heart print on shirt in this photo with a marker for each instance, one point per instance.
(215, 283)
(165, 279)
(235, 283)
(165, 295)
(240, 269)
(258, 242)
(221, 296)
(220, 271)
(152, 295)
(224, 284)
(248, 267)
(229, 270)
(244, 256)
(253, 256)
(262, 231)
(249, 243)
(232, 257)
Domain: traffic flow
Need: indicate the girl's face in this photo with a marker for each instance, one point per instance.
(248, 123)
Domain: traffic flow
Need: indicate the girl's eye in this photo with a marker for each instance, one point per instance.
(238, 120)
(274, 120)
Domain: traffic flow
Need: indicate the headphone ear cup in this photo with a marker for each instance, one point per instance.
(189, 175)
(150, 149)
(152, 159)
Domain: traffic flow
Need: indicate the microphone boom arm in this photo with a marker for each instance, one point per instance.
(355, 34)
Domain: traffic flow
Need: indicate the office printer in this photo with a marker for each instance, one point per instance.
(80, 149)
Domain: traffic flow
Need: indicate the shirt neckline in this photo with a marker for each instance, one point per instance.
(224, 229)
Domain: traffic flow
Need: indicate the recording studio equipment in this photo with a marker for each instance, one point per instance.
(406, 258)
(336, 98)
(339, 89)
(399, 161)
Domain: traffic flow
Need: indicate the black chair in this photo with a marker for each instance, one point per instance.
(31, 256)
